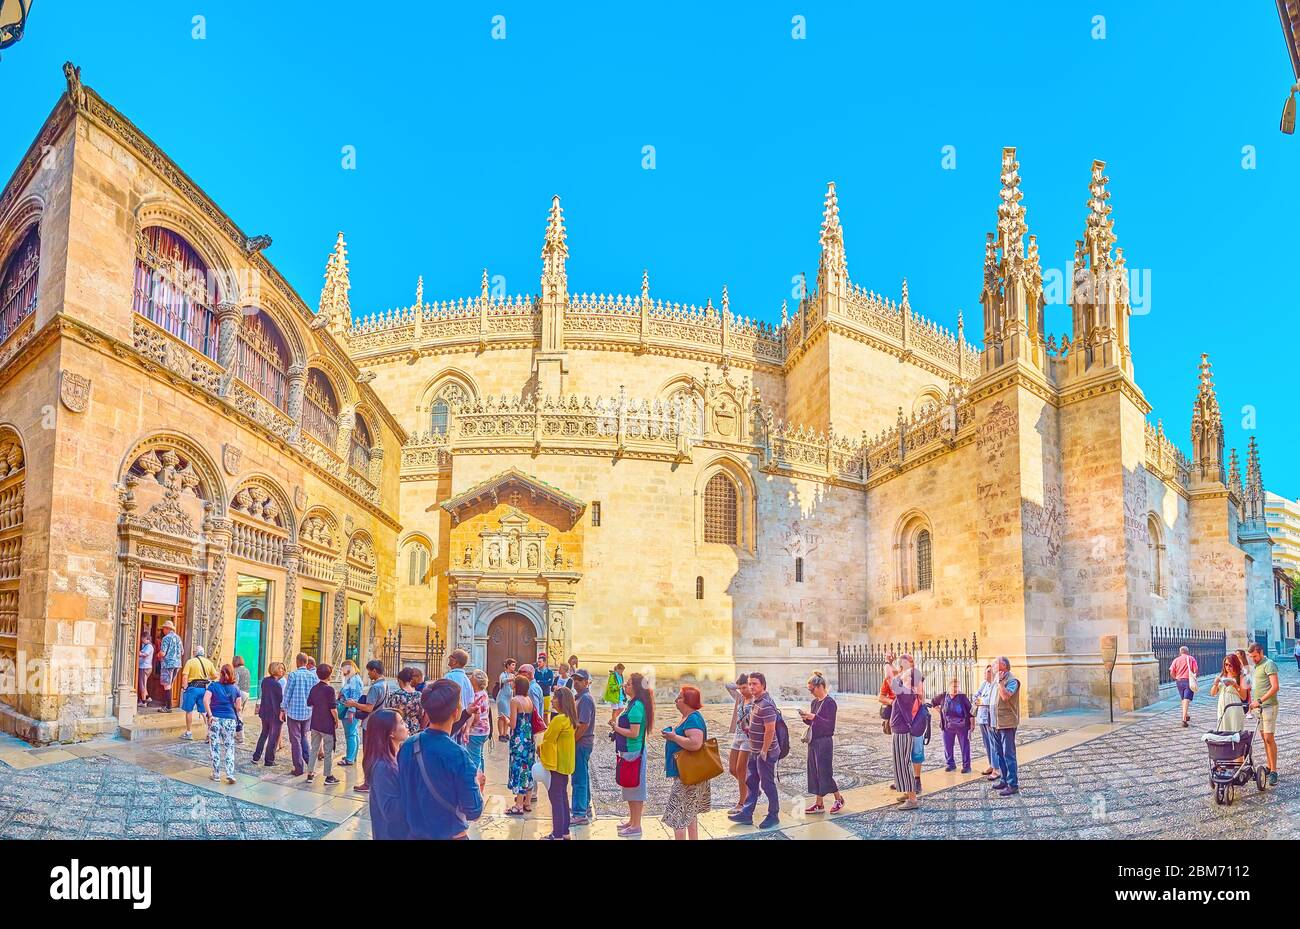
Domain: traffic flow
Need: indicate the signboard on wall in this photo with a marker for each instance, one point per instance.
(160, 592)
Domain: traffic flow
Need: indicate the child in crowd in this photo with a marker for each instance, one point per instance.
(957, 718)
(479, 726)
(614, 697)
(324, 724)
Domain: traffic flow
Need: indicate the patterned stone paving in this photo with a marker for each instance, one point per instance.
(101, 797)
(1149, 780)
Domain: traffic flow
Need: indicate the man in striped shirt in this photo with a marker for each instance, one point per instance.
(295, 711)
(1184, 670)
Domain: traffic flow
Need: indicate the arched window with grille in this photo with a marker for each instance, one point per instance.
(1156, 555)
(18, 280)
(320, 409)
(721, 505)
(915, 548)
(440, 417)
(263, 359)
(362, 443)
(699, 588)
(924, 564)
(174, 288)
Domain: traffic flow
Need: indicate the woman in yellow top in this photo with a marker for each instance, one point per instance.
(558, 754)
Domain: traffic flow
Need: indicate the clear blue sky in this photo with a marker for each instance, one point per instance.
(461, 140)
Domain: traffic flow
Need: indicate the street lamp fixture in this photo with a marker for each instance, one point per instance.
(1288, 11)
(13, 19)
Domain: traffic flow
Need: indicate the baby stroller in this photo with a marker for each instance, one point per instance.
(1231, 765)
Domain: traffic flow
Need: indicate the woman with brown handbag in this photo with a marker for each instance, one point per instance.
(686, 801)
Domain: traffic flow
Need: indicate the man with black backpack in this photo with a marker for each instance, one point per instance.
(769, 742)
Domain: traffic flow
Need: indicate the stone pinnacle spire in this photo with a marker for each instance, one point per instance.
(1207, 427)
(334, 300)
(1011, 215)
(419, 291)
(555, 252)
(1254, 496)
(1234, 474)
(833, 271)
(1099, 235)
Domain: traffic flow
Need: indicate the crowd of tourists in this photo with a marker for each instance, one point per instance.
(420, 744)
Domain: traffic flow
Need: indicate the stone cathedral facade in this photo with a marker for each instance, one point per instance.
(627, 478)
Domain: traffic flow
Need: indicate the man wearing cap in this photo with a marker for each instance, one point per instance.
(545, 678)
(584, 738)
(198, 674)
(170, 651)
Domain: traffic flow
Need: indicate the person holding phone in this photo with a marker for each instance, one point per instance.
(1230, 715)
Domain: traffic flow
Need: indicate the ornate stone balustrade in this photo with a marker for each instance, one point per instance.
(1164, 459)
(613, 426)
(317, 564)
(927, 429)
(254, 544)
(365, 580)
(161, 347)
(9, 613)
(810, 452)
(260, 411)
(642, 323)
(882, 317)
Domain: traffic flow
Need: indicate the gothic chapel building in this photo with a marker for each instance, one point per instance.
(628, 478)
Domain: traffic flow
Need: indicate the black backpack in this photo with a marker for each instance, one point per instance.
(782, 737)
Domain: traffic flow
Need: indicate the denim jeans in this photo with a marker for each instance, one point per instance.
(761, 774)
(582, 781)
(1007, 756)
(991, 746)
(352, 733)
(476, 749)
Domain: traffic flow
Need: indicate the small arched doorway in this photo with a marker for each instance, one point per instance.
(511, 635)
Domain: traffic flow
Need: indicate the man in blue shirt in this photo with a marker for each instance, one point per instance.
(441, 787)
(545, 678)
(169, 650)
(295, 712)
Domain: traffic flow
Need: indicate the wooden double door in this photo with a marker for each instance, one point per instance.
(511, 635)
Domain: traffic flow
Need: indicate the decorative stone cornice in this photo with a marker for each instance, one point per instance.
(63, 326)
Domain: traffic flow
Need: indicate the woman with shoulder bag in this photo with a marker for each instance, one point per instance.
(685, 801)
(629, 732)
(820, 738)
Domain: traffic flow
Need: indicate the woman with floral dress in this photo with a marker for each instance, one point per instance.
(522, 750)
(406, 701)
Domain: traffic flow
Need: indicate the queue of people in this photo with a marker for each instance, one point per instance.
(421, 744)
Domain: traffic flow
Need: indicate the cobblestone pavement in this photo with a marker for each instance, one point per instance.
(1147, 780)
(101, 797)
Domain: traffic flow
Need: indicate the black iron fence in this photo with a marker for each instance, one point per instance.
(862, 667)
(1206, 646)
(423, 649)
